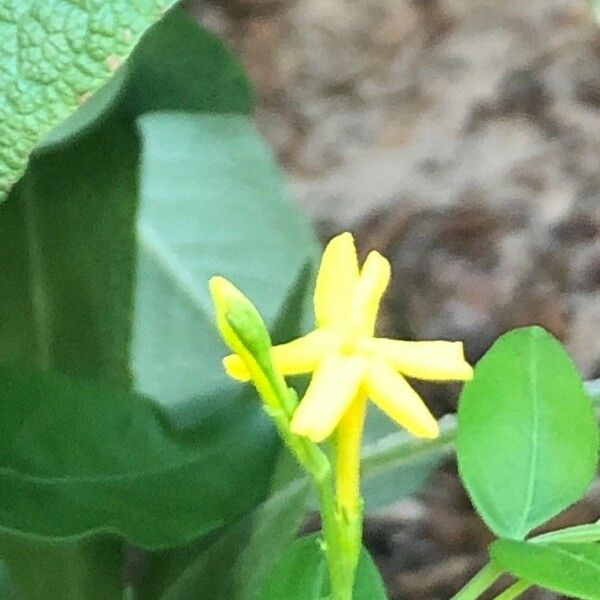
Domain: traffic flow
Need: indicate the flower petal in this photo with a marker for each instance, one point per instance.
(331, 391)
(441, 361)
(373, 281)
(347, 454)
(298, 356)
(337, 278)
(392, 393)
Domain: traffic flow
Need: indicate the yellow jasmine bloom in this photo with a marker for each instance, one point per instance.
(349, 362)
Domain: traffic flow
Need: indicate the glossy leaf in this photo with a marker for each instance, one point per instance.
(53, 57)
(67, 234)
(301, 574)
(570, 569)
(369, 584)
(527, 434)
(77, 459)
(103, 460)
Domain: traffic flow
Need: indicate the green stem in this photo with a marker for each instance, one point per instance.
(333, 546)
(342, 535)
(479, 584)
(578, 534)
(343, 540)
(513, 591)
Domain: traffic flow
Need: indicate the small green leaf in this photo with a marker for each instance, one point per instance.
(570, 569)
(54, 56)
(527, 434)
(301, 574)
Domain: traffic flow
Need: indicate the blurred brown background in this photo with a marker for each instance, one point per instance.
(462, 139)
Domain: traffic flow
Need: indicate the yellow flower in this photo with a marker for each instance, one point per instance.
(349, 362)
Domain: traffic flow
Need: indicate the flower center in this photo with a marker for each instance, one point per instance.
(348, 341)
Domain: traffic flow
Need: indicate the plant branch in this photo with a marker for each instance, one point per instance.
(513, 591)
(480, 583)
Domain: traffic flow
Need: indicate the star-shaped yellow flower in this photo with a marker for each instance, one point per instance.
(348, 362)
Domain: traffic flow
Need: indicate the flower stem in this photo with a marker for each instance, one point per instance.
(479, 584)
(342, 532)
(341, 506)
(332, 541)
(348, 502)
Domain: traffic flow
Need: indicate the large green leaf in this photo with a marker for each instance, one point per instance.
(67, 233)
(570, 569)
(236, 564)
(67, 248)
(54, 56)
(527, 434)
(88, 114)
(69, 255)
(180, 66)
(68, 244)
(6, 585)
(77, 459)
(85, 570)
(212, 202)
(301, 574)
